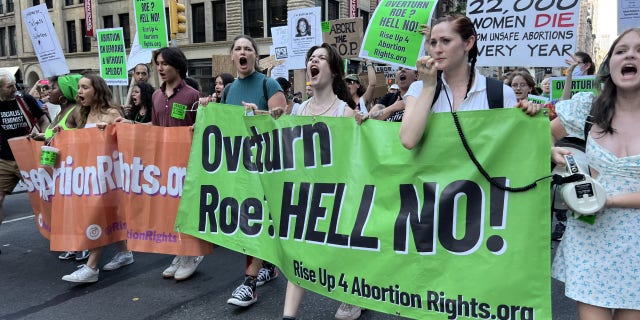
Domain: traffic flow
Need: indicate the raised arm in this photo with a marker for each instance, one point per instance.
(417, 108)
(371, 87)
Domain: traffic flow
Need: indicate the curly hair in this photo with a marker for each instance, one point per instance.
(146, 91)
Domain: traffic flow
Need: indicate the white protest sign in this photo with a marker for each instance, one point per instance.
(531, 33)
(628, 14)
(44, 40)
(304, 32)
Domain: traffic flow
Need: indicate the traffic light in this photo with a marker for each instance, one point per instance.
(177, 18)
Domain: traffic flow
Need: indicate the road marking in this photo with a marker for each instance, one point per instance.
(18, 219)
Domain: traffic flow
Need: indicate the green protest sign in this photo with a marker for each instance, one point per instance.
(578, 84)
(346, 211)
(151, 23)
(112, 56)
(392, 35)
(537, 99)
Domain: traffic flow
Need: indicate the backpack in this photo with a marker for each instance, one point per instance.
(495, 97)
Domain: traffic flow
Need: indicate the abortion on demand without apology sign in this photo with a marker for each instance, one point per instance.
(532, 33)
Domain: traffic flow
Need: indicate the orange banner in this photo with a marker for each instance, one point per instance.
(124, 182)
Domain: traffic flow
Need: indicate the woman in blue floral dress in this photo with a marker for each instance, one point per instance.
(600, 262)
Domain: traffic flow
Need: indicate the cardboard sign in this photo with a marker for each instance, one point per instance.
(222, 64)
(345, 35)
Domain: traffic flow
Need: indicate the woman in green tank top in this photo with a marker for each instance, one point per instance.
(63, 92)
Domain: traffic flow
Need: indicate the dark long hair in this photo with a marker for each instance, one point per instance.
(603, 107)
(464, 27)
(103, 97)
(338, 85)
(146, 91)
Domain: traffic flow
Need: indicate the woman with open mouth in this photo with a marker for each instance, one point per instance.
(97, 109)
(522, 84)
(256, 92)
(598, 261)
(330, 98)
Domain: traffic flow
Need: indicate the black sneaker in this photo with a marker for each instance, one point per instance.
(558, 232)
(267, 273)
(245, 294)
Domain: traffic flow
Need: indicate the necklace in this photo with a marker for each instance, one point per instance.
(323, 112)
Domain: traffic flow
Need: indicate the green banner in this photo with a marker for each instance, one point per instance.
(578, 84)
(346, 211)
(393, 33)
(112, 56)
(151, 23)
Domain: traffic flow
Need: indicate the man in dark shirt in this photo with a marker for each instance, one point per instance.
(18, 116)
(391, 106)
(174, 105)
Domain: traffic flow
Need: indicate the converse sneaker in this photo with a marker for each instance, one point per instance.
(170, 271)
(68, 255)
(348, 312)
(82, 255)
(267, 273)
(121, 259)
(84, 274)
(245, 294)
(558, 232)
(187, 267)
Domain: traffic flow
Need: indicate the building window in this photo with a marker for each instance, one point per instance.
(107, 22)
(365, 19)
(198, 25)
(86, 41)
(9, 6)
(219, 21)
(334, 9)
(13, 46)
(200, 69)
(72, 44)
(48, 2)
(276, 14)
(3, 41)
(1, 7)
(126, 31)
(68, 2)
(253, 19)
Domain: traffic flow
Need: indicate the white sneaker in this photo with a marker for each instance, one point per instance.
(84, 274)
(121, 259)
(187, 267)
(348, 312)
(173, 267)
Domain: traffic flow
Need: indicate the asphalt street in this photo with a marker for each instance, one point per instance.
(31, 286)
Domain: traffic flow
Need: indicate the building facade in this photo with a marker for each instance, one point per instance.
(211, 27)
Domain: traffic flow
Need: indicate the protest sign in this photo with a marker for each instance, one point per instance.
(222, 64)
(537, 99)
(392, 36)
(45, 41)
(304, 33)
(525, 33)
(578, 84)
(388, 71)
(344, 34)
(321, 196)
(628, 14)
(137, 54)
(112, 56)
(151, 23)
(124, 182)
